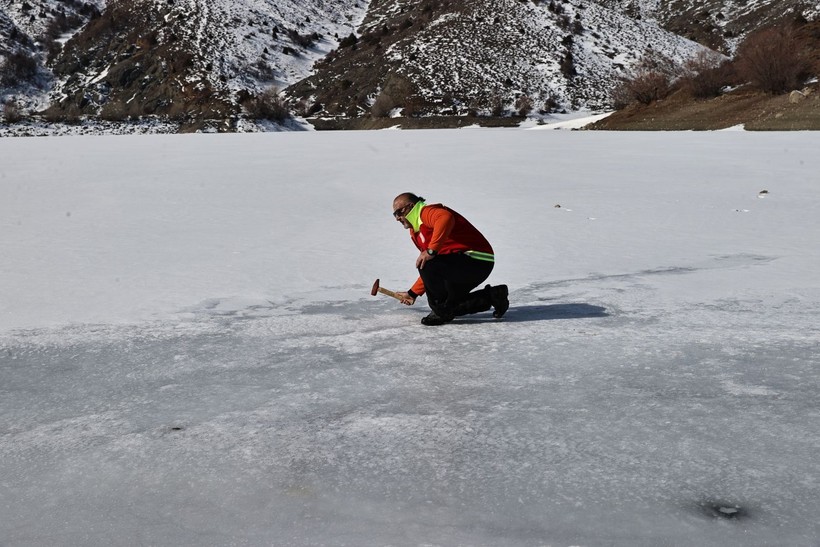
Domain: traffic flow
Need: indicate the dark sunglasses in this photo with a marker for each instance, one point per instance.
(398, 212)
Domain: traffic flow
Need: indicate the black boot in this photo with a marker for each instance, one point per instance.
(433, 319)
(499, 298)
(475, 302)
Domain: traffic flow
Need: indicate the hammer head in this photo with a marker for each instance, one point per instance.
(375, 290)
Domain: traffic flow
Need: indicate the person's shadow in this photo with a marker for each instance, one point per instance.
(548, 312)
(554, 311)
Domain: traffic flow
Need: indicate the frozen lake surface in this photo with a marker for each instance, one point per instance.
(189, 354)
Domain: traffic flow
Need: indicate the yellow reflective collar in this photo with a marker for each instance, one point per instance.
(414, 216)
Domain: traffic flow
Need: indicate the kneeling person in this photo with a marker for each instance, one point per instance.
(454, 258)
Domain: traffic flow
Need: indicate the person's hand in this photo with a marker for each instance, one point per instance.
(406, 299)
(423, 258)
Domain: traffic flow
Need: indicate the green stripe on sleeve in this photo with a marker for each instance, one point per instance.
(478, 255)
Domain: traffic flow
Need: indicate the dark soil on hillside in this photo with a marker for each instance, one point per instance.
(754, 110)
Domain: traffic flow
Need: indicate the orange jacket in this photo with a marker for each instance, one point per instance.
(445, 231)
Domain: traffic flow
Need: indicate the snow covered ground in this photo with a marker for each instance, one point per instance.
(189, 354)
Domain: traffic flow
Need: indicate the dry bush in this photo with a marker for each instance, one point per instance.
(497, 105)
(263, 70)
(652, 81)
(551, 104)
(305, 41)
(268, 105)
(413, 106)
(774, 59)
(568, 68)
(644, 88)
(11, 113)
(524, 105)
(20, 67)
(706, 75)
(348, 41)
(809, 33)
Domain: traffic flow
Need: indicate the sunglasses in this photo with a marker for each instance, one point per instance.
(401, 211)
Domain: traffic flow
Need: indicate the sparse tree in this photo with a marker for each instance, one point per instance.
(773, 59)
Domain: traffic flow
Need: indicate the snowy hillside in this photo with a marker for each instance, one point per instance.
(719, 24)
(492, 57)
(510, 44)
(191, 60)
(34, 31)
(189, 354)
(32, 18)
(252, 44)
(208, 64)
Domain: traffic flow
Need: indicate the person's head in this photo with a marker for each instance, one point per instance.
(402, 205)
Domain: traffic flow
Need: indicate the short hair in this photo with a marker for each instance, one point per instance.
(409, 196)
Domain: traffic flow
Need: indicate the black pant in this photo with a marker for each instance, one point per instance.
(449, 278)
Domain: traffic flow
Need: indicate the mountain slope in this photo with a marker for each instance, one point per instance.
(32, 33)
(201, 63)
(487, 56)
(191, 60)
(718, 24)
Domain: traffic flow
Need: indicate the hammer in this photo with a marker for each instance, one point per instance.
(376, 289)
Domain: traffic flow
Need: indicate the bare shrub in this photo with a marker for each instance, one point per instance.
(706, 75)
(303, 40)
(655, 61)
(524, 105)
(644, 88)
(652, 81)
(413, 106)
(551, 104)
(711, 82)
(564, 21)
(11, 113)
(268, 105)
(263, 70)
(19, 68)
(568, 65)
(349, 41)
(773, 59)
(498, 106)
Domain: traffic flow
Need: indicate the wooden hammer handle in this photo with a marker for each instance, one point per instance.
(388, 292)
